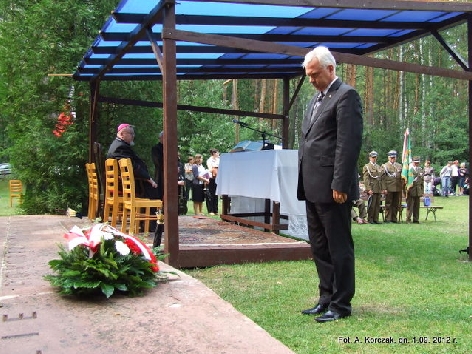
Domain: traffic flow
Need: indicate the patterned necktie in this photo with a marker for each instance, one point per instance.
(316, 105)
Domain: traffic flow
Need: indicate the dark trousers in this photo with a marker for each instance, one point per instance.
(151, 193)
(392, 205)
(373, 209)
(454, 182)
(188, 187)
(213, 203)
(412, 208)
(332, 246)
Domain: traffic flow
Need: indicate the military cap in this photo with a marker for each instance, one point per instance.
(416, 159)
(373, 154)
(392, 153)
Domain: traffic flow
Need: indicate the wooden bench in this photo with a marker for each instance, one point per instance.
(431, 209)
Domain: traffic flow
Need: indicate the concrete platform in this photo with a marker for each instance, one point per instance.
(180, 316)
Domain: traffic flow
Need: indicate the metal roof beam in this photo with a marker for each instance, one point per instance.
(217, 62)
(447, 6)
(134, 36)
(144, 49)
(208, 20)
(287, 38)
(223, 76)
(193, 49)
(205, 70)
(183, 107)
(456, 56)
(296, 51)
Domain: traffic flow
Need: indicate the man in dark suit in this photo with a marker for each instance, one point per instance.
(157, 154)
(330, 143)
(121, 148)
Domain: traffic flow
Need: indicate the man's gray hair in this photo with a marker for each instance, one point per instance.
(322, 54)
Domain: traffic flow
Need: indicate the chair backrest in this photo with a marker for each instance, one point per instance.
(100, 165)
(16, 190)
(92, 180)
(127, 180)
(16, 187)
(89, 174)
(111, 178)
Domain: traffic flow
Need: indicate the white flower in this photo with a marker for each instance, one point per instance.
(96, 235)
(77, 241)
(107, 236)
(122, 248)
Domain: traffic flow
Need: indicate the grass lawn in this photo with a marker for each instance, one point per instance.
(413, 287)
(412, 284)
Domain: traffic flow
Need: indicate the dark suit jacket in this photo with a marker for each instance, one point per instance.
(120, 149)
(330, 146)
(157, 154)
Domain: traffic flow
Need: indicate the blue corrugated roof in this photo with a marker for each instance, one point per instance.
(336, 24)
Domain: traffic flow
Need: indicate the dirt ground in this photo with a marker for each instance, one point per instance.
(179, 316)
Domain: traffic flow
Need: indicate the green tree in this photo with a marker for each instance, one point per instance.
(39, 38)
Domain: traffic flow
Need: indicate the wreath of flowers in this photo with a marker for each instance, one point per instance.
(102, 259)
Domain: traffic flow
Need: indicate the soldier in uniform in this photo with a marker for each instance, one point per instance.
(392, 187)
(414, 192)
(372, 175)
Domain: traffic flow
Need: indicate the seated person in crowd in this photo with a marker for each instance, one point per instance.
(360, 204)
(121, 148)
(362, 218)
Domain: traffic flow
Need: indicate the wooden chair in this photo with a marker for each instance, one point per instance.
(113, 199)
(93, 190)
(99, 159)
(16, 190)
(138, 209)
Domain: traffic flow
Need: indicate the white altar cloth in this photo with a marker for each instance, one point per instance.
(260, 175)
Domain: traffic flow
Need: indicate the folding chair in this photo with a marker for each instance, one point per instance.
(16, 190)
(113, 199)
(139, 209)
(93, 190)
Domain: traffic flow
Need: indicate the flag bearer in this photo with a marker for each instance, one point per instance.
(414, 192)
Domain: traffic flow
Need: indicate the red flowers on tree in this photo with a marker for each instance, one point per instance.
(63, 121)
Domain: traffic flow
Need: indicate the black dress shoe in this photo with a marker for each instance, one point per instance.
(319, 308)
(330, 316)
(377, 222)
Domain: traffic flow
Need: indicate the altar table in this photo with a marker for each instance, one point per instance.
(262, 187)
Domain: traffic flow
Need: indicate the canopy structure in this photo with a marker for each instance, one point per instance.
(191, 39)
(255, 39)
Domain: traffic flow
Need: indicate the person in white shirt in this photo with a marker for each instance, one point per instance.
(454, 176)
(445, 175)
